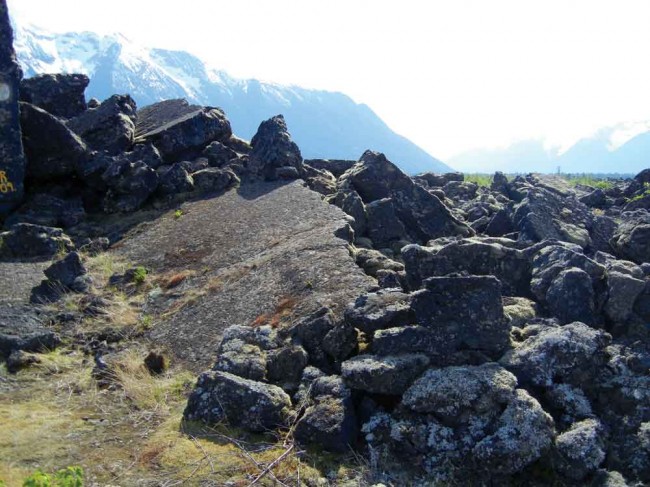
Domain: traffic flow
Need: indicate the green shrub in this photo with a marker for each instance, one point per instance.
(646, 192)
(480, 179)
(67, 477)
(178, 214)
(139, 275)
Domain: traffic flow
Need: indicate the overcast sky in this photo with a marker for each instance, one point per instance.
(449, 75)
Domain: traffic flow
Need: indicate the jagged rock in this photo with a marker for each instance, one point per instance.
(12, 159)
(449, 391)
(466, 310)
(22, 329)
(580, 449)
(382, 309)
(622, 292)
(181, 134)
(251, 405)
(632, 238)
(66, 270)
(499, 225)
(390, 375)
(352, 204)
(423, 215)
(499, 183)
(602, 231)
(65, 275)
(606, 478)
(218, 155)
(318, 180)
(25, 240)
(460, 190)
(273, 149)
(570, 354)
(407, 339)
(372, 261)
(176, 180)
(264, 337)
(570, 296)
(62, 95)
(568, 404)
(340, 341)
(311, 331)
(439, 180)
(519, 311)
(336, 166)
(52, 149)
(242, 359)
(129, 183)
(109, 127)
(329, 421)
(286, 365)
(48, 210)
(387, 279)
(19, 359)
(595, 199)
(383, 225)
(478, 256)
(214, 180)
(524, 433)
(642, 304)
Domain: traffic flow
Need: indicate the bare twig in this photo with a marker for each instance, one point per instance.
(205, 454)
(271, 466)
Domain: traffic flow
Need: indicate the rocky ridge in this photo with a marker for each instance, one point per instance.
(484, 335)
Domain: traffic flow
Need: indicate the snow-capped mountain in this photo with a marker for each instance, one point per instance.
(620, 149)
(324, 124)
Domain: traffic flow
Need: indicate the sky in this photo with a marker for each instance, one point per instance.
(449, 75)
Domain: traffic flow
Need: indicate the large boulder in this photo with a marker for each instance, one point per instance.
(25, 240)
(477, 256)
(62, 95)
(274, 149)
(390, 375)
(65, 275)
(22, 329)
(329, 420)
(546, 354)
(251, 405)
(581, 449)
(383, 225)
(423, 215)
(129, 185)
(468, 311)
(632, 238)
(109, 127)
(570, 296)
(386, 308)
(12, 159)
(179, 130)
(48, 210)
(175, 180)
(51, 148)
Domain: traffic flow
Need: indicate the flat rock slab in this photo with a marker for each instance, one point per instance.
(265, 252)
(17, 280)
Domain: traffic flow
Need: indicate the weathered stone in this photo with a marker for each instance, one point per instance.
(274, 149)
(383, 225)
(254, 406)
(352, 204)
(570, 296)
(286, 365)
(632, 238)
(243, 360)
(48, 210)
(340, 341)
(214, 180)
(466, 310)
(218, 155)
(22, 329)
(570, 354)
(580, 449)
(66, 270)
(180, 130)
(176, 180)
(62, 95)
(12, 159)
(595, 199)
(379, 310)
(372, 261)
(524, 433)
(52, 149)
(329, 421)
(19, 359)
(130, 184)
(390, 375)
(109, 127)
(622, 292)
(25, 240)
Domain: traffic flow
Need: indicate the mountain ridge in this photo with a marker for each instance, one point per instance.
(324, 124)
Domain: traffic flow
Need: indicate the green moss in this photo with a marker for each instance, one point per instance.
(480, 179)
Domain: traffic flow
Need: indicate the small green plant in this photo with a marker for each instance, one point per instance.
(480, 179)
(67, 477)
(139, 275)
(146, 322)
(646, 192)
(178, 214)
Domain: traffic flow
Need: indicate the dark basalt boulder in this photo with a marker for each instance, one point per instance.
(408, 339)
(386, 308)
(632, 238)
(48, 210)
(390, 375)
(321, 181)
(570, 354)
(109, 127)
(383, 225)
(595, 199)
(581, 449)
(336, 166)
(500, 224)
(570, 296)
(460, 190)
(12, 159)
(214, 180)
(129, 185)
(175, 180)
(251, 405)
(179, 130)
(218, 154)
(62, 95)
(25, 240)
(329, 421)
(285, 366)
(423, 215)
(273, 149)
(21, 328)
(468, 311)
(373, 261)
(499, 183)
(352, 204)
(52, 149)
(478, 256)
(63, 276)
(439, 180)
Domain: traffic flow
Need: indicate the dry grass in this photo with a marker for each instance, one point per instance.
(282, 313)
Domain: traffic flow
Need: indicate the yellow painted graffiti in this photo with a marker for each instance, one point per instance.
(6, 186)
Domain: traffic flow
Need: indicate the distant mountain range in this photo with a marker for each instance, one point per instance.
(324, 124)
(622, 149)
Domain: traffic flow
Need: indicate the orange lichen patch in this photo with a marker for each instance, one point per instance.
(283, 310)
(173, 279)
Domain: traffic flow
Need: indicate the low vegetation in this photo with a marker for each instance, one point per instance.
(591, 180)
(479, 178)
